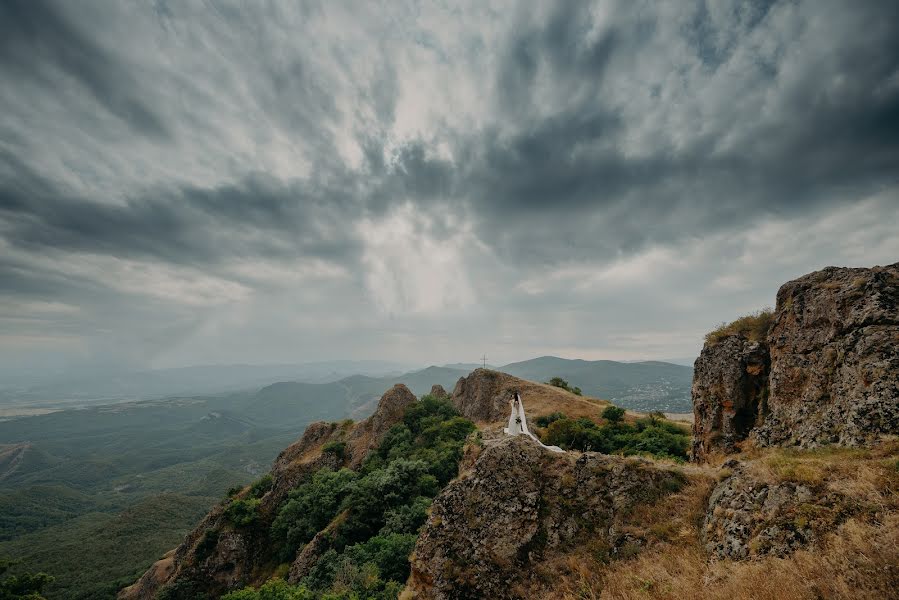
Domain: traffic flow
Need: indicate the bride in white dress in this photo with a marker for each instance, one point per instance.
(518, 423)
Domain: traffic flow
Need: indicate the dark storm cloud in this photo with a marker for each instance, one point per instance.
(562, 163)
(39, 41)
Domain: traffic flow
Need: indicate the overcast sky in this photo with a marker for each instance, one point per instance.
(217, 182)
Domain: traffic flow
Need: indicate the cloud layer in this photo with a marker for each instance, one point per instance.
(223, 182)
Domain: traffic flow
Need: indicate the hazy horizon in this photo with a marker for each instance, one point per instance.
(183, 184)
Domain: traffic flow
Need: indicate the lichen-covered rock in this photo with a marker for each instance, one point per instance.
(218, 556)
(517, 503)
(438, 392)
(730, 385)
(828, 372)
(748, 517)
(834, 347)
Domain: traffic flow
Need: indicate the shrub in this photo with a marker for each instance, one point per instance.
(753, 327)
(260, 487)
(336, 448)
(545, 420)
(242, 512)
(651, 435)
(613, 414)
(273, 589)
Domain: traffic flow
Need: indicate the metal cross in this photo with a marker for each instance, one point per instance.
(484, 358)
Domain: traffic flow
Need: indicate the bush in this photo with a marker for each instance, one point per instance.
(273, 589)
(561, 383)
(260, 487)
(242, 512)
(545, 420)
(336, 448)
(753, 327)
(613, 414)
(651, 435)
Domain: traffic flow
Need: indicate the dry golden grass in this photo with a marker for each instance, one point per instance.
(858, 560)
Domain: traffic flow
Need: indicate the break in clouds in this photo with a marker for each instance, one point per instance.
(187, 183)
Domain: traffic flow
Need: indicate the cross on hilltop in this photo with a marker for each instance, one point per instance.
(484, 358)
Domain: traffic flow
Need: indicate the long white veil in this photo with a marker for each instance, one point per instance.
(518, 424)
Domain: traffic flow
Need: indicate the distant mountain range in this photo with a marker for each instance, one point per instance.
(353, 385)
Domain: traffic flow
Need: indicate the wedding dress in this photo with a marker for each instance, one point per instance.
(518, 424)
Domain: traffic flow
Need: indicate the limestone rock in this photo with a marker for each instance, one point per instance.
(834, 359)
(730, 381)
(517, 503)
(438, 392)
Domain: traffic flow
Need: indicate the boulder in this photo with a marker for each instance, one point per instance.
(438, 392)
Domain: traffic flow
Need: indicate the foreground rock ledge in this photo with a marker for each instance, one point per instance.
(518, 502)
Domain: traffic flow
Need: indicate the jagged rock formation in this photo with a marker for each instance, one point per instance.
(833, 351)
(217, 557)
(438, 392)
(730, 385)
(518, 503)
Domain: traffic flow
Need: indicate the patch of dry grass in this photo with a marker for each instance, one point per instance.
(753, 327)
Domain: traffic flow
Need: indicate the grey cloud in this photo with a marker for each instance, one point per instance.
(563, 134)
(38, 40)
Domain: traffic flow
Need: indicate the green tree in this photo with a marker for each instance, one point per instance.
(25, 586)
(310, 508)
(613, 414)
(273, 589)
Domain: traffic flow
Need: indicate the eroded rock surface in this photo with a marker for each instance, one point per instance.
(438, 392)
(827, 373)
(834, 359)
(730, 381)
(517, 503)
(748, 517)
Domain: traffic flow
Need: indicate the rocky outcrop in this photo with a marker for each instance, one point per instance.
(484, 395)
(518, 503)
(834, 359)
(730, 386)
(217, 556)
(748, 517)
(438, 392)
(827, 372)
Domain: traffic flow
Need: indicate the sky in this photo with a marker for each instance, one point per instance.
(187, 183)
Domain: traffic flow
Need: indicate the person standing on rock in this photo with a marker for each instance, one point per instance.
(515, 425)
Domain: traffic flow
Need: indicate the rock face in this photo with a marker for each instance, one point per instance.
(438, 392)
(834, 359)
(484, 395)
(748, 517)
(517, 503)
(217, 556)
(730, 385)
(828, 372)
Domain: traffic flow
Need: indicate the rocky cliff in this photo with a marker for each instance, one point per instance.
(826, 371)
(217, 557)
